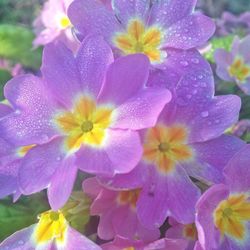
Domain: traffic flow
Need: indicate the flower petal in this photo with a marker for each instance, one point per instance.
(126, 10)
(39, 165)
(190, 32)
(120, 154)
(142, 110)
(60, 72)
(237, 171)
(62, 183)
(208, 165)
(125, 77)
(164, 12)
(79, 242)
(33, 105)
(92, 17)
(93, 58)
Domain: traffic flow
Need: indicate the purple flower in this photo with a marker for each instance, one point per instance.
(117, 211)
(53, 24)
(241, 127)
(85, 112)
(138, 26)
(51, 232)
(235, 65)
(186, 141)
(223, 212)
(231, 24)
(162, 244)
(187, 232)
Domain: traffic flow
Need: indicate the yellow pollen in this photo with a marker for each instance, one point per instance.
(239, 70)
(141, 39)
(51, 226)
(87, 126)
(129, 197)
(64, 22)
(86, 123)
(231, 215)
(165, 146)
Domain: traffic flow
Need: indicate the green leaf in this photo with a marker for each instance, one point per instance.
(16, 45)
(4, 77)
(16, 216)
(219, 43)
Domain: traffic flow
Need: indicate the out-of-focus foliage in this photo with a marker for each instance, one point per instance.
(5, 75)
(16, 45)
(22, 214)
(19, 11)
(219, 43)
(214, 8)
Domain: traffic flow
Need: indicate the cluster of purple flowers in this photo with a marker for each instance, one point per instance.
(125, 96)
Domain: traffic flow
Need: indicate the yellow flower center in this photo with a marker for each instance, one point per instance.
(22, 151)
(190, 231)
(231, 215)
(85, 124)
(165, 146)
(51, 226)
(129, 197)
(129, 248)
(239, 70)
(140, 39)
(64, 22)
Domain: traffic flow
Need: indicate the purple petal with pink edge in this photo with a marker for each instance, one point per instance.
(165, 12)
(177, 232)
(22, 240)
(122, 243)
(78, 241)
(208, 164)
(125, 77)
(105, 201)
(208, 235)
(120, 154)
(125, 10)
(198, 246)
(60, 72)
(164, 244)
(237, 172)
(189, 32)
(33, 105)
(92, 17)
(125, 222)
(142, 110)
(4, 110)
(62, 183)
(218, 115)
(93, 58)
(91, 187)
(39, 165)
(134, 179)
(105, 229)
